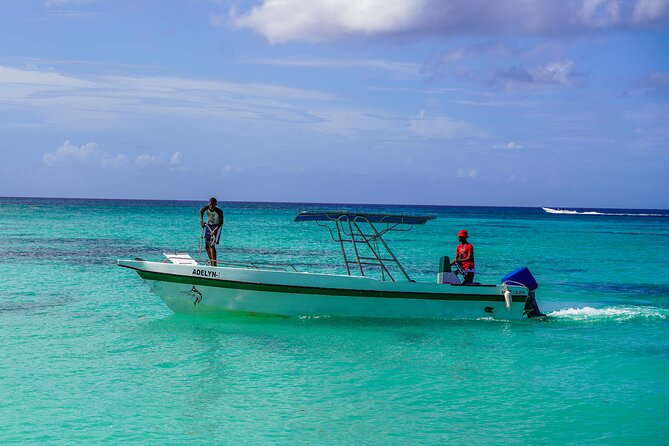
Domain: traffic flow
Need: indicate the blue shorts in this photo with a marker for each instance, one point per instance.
(212, 236)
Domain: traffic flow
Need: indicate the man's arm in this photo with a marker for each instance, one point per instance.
(220, 216)
(463, 255)
(202, 209)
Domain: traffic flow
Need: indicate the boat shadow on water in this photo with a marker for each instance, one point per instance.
(179, 321)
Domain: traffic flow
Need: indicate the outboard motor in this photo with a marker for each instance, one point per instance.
(524, 277)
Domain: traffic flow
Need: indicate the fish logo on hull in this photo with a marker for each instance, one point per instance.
(195, 294)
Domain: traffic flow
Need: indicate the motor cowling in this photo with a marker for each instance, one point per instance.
(524, 277)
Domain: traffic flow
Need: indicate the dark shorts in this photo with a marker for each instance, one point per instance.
(212, 235)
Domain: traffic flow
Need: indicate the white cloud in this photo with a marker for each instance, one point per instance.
(68, 152)
(217, 20)
(321, 20)
(172, 162)
(600, 13)
(230, 169)
(97, 101)
(397, 69)
(113, 161)
(68, 103)
(655, 83)
(175, 159)
(552, 74)
(49, 3)
(23, 79)
(90, 155)
(441, 127)
(30, 82)
(148, 160)
(509, 146)
(517, 65)
(87, 154)
(316, 20)
(467, 173)
(649, 10)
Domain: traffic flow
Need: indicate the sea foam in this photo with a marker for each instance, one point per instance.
(616, 314)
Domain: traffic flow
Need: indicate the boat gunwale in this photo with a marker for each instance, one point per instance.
(329, 291)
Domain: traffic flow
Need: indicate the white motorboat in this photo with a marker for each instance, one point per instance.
(187, 285)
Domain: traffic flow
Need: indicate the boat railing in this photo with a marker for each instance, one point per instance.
(517, 284)
(250, 265)
(185, 259)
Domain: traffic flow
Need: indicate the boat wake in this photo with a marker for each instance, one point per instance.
(573, 212)
(611, 314)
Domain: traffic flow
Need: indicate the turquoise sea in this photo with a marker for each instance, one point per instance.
(89, 356)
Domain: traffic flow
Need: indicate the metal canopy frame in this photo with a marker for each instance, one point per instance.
(364, 232)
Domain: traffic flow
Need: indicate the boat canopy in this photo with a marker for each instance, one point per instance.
(361, 241)
(359, 216)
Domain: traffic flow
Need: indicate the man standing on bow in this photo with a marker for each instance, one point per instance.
(464, 258)
(212, 229)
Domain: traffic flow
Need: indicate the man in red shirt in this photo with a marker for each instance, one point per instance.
(464, 257)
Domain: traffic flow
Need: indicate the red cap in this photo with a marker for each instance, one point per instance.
(463, 233)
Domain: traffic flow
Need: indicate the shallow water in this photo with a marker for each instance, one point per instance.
(89, 355)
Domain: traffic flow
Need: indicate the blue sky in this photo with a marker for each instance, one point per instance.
(506, 102)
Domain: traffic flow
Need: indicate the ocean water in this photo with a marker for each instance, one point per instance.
(89, 356)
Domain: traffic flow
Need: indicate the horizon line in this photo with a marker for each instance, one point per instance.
(323, 203)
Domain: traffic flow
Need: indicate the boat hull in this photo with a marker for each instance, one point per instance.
(214, 290)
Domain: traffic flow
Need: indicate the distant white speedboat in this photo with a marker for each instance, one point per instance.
(558, 211)
(187, 285)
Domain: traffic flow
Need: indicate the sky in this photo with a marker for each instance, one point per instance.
(442, 102)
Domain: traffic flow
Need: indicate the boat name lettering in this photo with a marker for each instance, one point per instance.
(204, 273)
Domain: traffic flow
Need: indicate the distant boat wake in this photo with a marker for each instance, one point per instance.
(572, 212)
